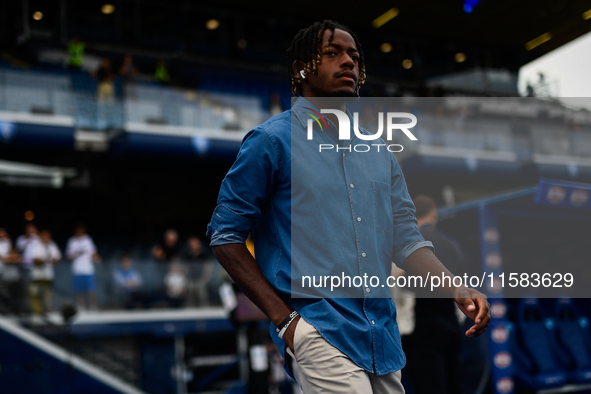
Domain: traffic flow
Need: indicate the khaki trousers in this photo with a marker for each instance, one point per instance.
(320, 367)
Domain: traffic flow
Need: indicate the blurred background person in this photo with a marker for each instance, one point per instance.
(13, 284)
(175, 284)
(202, 268)
(5, 248)
(43, 253)
(127, 281)
(106, 87)
(128, 70)
(169, 249)
(82, 251)
(10, 286)
(436, 351)
(75, 53)
(161, 74)
(30, 234)
(194, 252)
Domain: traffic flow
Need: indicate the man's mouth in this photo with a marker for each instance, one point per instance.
(347, 76)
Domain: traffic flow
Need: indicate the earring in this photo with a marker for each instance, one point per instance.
(303, 74)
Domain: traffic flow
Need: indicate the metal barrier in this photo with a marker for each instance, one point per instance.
(200, 283)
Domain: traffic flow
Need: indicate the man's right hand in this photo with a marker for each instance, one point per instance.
(246, 273)
(289, 334)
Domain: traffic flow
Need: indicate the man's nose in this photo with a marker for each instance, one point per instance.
(347, 61)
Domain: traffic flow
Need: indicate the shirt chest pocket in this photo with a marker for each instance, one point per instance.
(382, 206)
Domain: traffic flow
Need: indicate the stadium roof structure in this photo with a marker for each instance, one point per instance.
(524, 30)
(502, 22)
(438, 37)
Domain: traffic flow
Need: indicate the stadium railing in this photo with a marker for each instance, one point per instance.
(200, 287)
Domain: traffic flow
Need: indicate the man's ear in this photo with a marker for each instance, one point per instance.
(297, 66)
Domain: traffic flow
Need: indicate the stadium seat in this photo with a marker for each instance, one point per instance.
(540, 362)
(572, 332)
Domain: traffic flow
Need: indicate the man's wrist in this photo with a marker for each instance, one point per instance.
(282, 327)
(456, 291)
(292, 315)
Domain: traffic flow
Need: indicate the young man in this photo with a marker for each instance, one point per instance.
(30, 234)
(341, 345)
(82, 251)
(22, 242)
(127, 281)
(43, 253)
(169, 249)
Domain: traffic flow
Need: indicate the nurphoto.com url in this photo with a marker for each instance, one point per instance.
(433, 282)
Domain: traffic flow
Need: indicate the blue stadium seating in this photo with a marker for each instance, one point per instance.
(572, 329)
(540, 361)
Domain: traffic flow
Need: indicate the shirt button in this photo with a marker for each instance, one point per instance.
(358, 219)
(352, 186)
(373, 322)
(364, 254)
(367, 289)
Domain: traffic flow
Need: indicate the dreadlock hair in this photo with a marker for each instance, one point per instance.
(305, 48)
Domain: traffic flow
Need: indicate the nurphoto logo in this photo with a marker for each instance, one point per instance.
(345, 129)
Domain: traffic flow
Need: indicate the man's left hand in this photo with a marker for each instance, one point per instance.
(475, 305)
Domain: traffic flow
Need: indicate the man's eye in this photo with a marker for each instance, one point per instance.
(355, 58)
(330, 53)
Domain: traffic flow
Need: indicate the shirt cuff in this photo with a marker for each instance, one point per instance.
(228, 227)
(218, 238)
(410, 249)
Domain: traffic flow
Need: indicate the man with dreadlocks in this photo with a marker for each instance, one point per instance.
(331, 345)
(306, 54)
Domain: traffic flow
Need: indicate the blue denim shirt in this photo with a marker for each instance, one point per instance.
(368, 223)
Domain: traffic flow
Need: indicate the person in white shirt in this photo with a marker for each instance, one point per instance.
(43, 253)
(82, 251)
(30, 234)
(175, 283)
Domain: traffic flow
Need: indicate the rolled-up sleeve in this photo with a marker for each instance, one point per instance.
(246, 189)
(407, 237)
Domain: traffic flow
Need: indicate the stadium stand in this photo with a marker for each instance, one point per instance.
(153, 157)
(534, 342)
(545, 363)
(572, 328)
